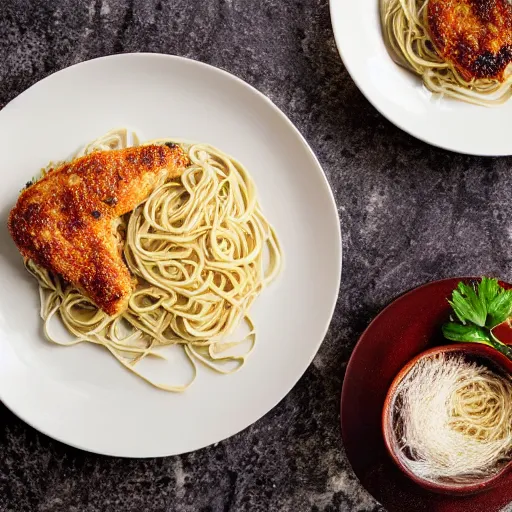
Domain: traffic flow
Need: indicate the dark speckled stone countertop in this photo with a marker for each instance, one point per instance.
(410, 213)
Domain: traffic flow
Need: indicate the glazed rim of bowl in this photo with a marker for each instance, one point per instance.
(478, 350)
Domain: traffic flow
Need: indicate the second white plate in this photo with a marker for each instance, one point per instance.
(401, 96)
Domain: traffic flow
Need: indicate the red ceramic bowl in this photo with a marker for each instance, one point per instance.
(402, 331)
(487, 355)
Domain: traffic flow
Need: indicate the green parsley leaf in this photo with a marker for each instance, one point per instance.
(467, 305)
(479, 309)
(500, 308)
(488, 289)
(471, 333)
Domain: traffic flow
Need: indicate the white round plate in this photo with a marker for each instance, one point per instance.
(80, 395)
(401, 96)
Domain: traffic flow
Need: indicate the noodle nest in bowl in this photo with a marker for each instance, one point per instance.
(452, 420)
(201, 251)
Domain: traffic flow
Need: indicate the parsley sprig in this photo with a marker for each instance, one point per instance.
(479, 308)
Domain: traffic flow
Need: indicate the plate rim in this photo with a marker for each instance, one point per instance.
(337, 32)
(338, 234)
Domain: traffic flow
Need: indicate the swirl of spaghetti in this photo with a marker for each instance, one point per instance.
(201, 251)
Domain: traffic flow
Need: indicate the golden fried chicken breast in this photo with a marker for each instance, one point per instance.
(65, 221)
(474, 35)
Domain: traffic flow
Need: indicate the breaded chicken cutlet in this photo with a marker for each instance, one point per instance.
(65, 221)
(474, 35)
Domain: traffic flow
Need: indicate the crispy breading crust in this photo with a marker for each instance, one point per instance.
(64, 222)
(474, 35)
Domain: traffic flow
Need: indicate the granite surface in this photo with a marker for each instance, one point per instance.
(410, 213)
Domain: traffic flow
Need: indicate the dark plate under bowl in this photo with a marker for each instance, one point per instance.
(407, 327)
